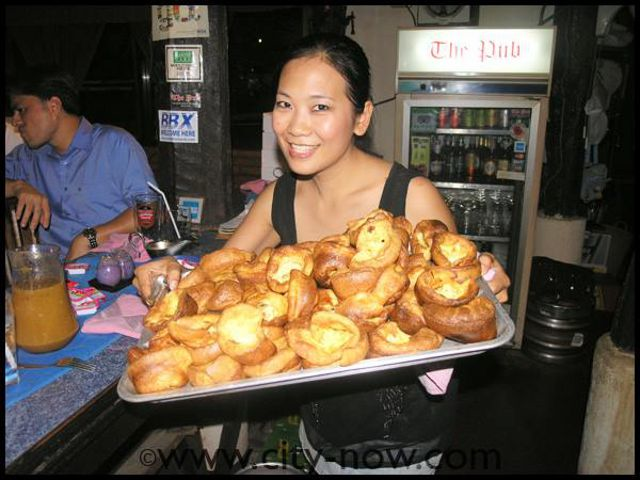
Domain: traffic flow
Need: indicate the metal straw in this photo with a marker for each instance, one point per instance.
(175, 227)
(7, 267)
(16, 229)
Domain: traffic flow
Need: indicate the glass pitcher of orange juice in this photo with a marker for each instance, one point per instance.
(45, 319)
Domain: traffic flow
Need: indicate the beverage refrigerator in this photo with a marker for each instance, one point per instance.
(471, 114)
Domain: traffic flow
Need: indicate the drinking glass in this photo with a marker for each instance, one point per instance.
(506, 212)
(148, 215)
(494, 215)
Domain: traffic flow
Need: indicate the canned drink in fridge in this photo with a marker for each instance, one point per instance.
(443, 118)
(468, 118)
(492, 118)
(480, 118)
(504, 118)
(454, 118)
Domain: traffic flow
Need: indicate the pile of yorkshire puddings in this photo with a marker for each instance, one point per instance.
(380, 288)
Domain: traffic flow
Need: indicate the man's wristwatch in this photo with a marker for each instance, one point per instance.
(90, 234)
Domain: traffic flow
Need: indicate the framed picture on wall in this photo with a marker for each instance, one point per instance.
(195, 206)
(447, 15)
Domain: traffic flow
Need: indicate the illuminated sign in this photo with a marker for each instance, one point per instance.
(474, 51)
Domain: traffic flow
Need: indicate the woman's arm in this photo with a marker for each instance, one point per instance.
(253, 235)
(256, 231)
(424, 202)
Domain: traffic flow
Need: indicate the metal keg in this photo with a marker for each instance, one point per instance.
(557, 329)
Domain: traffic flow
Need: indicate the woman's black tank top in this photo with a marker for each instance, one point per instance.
(393, 200)
(389, 414)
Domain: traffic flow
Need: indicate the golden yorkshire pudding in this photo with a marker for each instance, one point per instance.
(251, 273)
(265, 255)
(365, 310)
(160, 370)
(308, 246)
(284, 360)
(273, 306)
(403, 223)
(327, 300)
(282, 261)
(223, 259)
(473, 271)
(389, 339)
(276, 335)
(349, 355)
(302, 295)
(440, 285)
(403, 257)
(161, 339)
(329, 257)
(226, 294)
(417, 260)
(135, 353)
(452, 250)
(346, 283)
(206, 354)
(253, 289)
(195, 331)
(472, 322)
(341, 239)
(353, 226)
(175, 304)
(324, 338)
(391, 284)
(378, 244)
(408, 315)
(195, 277)
(201, 293)
(221, 370)
(241, 337)
(422, 237)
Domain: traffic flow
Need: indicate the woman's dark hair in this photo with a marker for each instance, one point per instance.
(45, 82)
(343, 54)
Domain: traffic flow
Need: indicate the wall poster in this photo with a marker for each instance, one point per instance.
(179, 21)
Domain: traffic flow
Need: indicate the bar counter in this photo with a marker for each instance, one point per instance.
(78, 421)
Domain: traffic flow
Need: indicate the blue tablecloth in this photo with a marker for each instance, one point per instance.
(84, 346)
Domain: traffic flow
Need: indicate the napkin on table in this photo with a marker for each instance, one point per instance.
(119, 240)
(123, 316)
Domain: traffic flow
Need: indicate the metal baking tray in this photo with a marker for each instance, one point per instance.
(448, 350)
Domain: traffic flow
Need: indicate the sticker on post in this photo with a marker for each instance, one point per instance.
(178, 126)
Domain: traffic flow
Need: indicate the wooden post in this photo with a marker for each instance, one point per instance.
(202, 169)
(571, 87)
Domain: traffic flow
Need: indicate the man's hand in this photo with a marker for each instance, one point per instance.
(33, 207)
(79, 247)
(495, 276)
(145, 274)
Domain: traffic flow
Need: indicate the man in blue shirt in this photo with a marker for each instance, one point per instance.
(76, 179)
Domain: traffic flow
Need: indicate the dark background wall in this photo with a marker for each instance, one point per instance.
(110, 50)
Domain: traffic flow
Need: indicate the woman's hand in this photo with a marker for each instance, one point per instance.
(145, 274)
(495, 276)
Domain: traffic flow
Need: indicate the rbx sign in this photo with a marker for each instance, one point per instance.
(178, 126)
